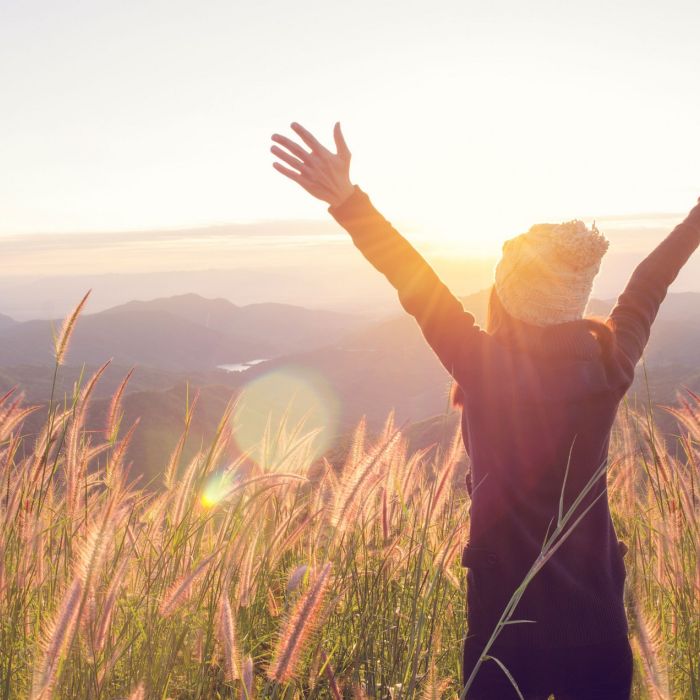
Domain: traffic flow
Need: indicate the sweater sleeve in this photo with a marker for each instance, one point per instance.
(450, 331)
(638, 305)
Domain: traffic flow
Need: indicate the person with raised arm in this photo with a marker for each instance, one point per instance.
(538, 388)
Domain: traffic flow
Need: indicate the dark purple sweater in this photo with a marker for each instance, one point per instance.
(533, 404)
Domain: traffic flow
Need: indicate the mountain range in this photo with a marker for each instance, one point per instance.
(179, 334)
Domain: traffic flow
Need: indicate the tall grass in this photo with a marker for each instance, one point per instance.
(296, 580)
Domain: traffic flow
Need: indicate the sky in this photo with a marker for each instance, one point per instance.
(468, 121)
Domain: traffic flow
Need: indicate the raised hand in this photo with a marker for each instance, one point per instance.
(323, 174)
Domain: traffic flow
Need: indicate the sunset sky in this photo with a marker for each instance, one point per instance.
(468, 121)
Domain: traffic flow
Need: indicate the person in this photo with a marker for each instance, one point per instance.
(539, 388)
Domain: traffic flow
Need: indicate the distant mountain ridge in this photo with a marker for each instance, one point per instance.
(179, 333)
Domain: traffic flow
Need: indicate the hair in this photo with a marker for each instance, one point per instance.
(499, 320)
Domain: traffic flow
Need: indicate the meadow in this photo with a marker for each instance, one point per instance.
(278, 575)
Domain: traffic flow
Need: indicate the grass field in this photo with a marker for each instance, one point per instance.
(242, 578)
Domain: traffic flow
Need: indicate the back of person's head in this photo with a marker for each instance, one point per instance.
(544, 278)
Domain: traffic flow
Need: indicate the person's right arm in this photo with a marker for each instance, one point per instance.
(450, 330)
(637, 306)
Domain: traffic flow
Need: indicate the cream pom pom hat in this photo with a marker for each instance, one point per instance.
(546, 275)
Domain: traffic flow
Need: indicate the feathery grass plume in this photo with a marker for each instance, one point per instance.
(279, 547)
(38, 549)
(25, 534)
(314, 673)
(58, 638)
(389, 554)
(446, 474)
(358, 691)
(247, 679)
(299, 453)
(13, 417)
(448, 550)
(173, 462)
(178, 591)
(108, 606)
(139, 692)
(63, 338)
(184, 492)
(278, 536)
(76, 463)
(336, 693)
(330, 482)
(389, 426)
(662, 552)
(3, 572)
(690, 503)
(410, 472)
(386, 514)
(227, 635)
(296, 577)
(46, 445)
(171, 469)
(87, 619)
(389, 488)
(434, 688)
(114, 414)
(12, 505)
(222, 437)
(272, 607)
(108, 666)
(688, 415)
(9, 465)
(7, 395)
(648, 640)
(357, 447)
(92, 552)
(245, 580)
(300, 627)
(353, 484)
(83, 398)
(114, 468)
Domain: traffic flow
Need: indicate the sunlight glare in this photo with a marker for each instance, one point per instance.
(277, 403)
(216, 489)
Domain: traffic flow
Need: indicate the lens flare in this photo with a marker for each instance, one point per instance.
(275, 410)
(217, 487)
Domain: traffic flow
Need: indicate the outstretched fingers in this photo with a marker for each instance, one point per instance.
(290, 160)
(291, 174)
(309, 139)
(340, 145)
(292, 147)
(317, 189)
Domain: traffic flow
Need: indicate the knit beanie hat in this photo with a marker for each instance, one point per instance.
(546, 275)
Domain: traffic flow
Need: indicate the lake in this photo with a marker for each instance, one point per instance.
(242, 366)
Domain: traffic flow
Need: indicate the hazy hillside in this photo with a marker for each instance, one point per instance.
(146, 337)
(35, 382)
(282, 327)
(179, 334)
